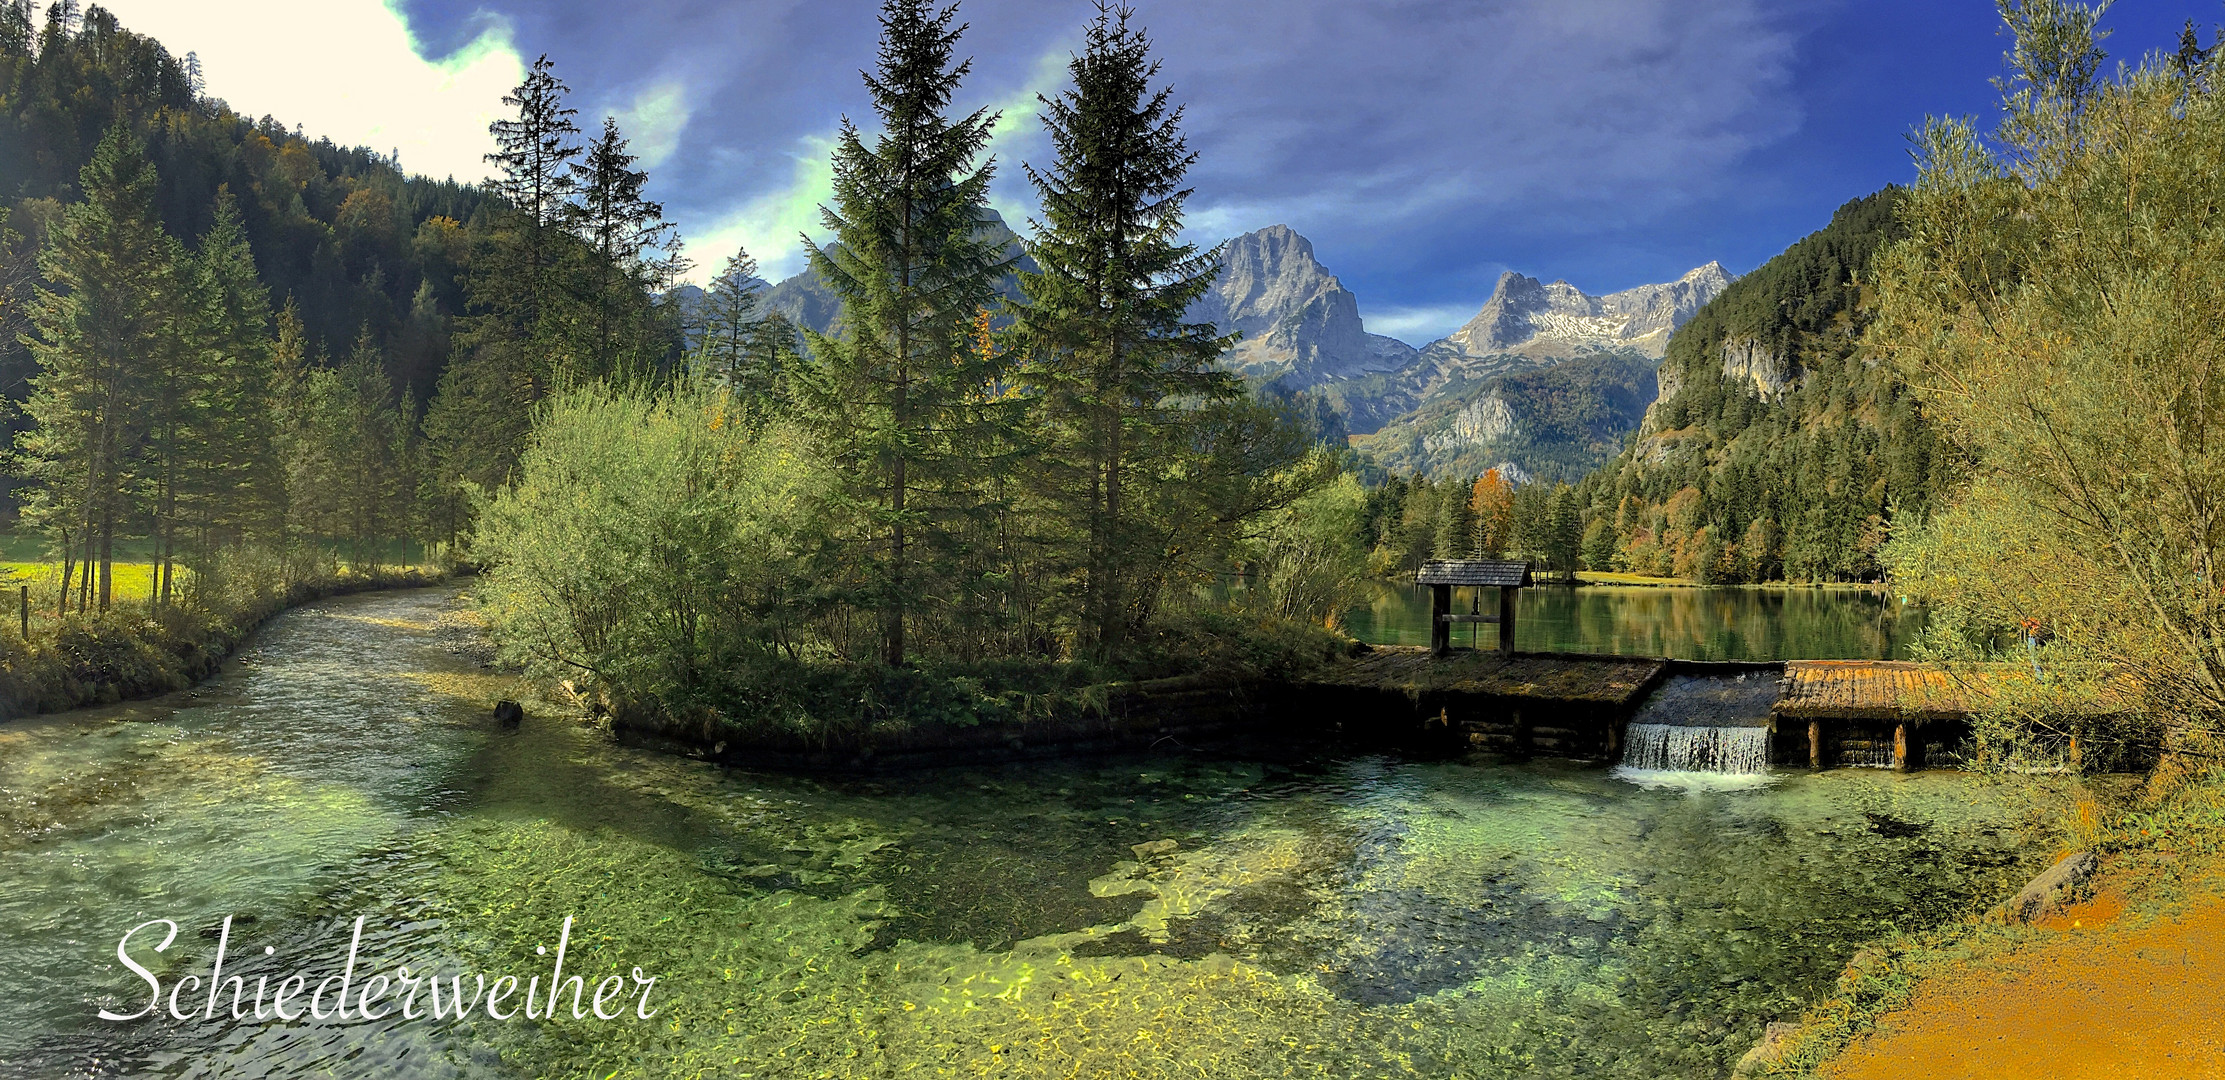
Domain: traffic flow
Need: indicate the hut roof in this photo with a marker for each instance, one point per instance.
(1504, 573)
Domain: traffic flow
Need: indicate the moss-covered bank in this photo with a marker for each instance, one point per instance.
(2162, 842)
(1204, 679)
(133, 651)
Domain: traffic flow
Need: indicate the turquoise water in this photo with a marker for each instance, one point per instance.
(1728, 623)
(1160, 916)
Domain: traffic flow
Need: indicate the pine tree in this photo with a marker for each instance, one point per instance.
(227, 481)
(113, 306)
(1116, 369)
(535, 156)
(730, 317)
(1455, 537)
(896, 396)
(1565, 530)
(16, 29)
(619, 228)
(514, 347)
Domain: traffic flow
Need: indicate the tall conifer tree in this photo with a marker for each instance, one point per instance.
(620, 228)
(897, 394)
(114, 304)
(514, 347)
(745, 349)
(1116, 367)
(536, 156)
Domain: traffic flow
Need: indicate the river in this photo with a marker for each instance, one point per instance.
(1341, 916)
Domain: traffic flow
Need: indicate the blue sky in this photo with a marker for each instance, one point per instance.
(1423, 145)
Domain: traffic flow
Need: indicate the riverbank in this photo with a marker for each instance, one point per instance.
(2111, 983)
(135, 650)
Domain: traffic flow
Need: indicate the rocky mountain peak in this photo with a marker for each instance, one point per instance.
(1554, 321)
(1300, 324)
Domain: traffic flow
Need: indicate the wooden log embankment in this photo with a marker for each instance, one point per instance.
(1521, 704)
(1867, 712)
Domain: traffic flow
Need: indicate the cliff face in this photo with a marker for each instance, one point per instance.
(1776, 436)
(1301, 326)
(1770, 371)
(1451, 407)
(1506, 389)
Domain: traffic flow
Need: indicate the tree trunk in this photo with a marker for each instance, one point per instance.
(107, 556)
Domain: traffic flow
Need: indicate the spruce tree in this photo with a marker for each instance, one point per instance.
(620, 228)
(1116, 369)
(535, 156)
(730, 317)
(113, 305)
(898, 395)
(515, 345)
(742, 348)
(229, 483)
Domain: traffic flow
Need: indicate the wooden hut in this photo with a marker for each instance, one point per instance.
(1443, 575)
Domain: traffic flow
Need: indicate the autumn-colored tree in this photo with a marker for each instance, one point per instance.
(1492, 500)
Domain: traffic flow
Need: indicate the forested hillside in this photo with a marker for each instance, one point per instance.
(351, 240)
(221, 333)
(1778, 447)
(1552, 423)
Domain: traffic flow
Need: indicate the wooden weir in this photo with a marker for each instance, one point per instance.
(1858, 700)
(1832, 712)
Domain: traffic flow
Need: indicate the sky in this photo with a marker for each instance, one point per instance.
(1424, 146)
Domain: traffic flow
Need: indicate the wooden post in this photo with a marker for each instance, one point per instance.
(1614, 742)
(1815, 744)
(1506, 620)
(1900, 747)
(26, 596)
(1440, 631)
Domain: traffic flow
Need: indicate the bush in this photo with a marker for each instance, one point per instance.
(654, 549)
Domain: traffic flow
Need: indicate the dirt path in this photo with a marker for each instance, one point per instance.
(2100, 1001)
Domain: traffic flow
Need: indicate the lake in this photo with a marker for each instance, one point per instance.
(1726, 623)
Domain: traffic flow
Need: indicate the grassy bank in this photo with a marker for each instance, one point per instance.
(2162, 842)
(137, 649)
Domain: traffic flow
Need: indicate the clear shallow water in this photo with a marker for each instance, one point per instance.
(1727, 623)
(1345, 917)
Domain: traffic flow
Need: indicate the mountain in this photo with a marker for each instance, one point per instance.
(1528, 318)
(1777, 447)
(1545, 377)
(1550, 423)
(1301, 326)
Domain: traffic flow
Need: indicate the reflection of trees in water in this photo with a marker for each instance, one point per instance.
(1705, 624)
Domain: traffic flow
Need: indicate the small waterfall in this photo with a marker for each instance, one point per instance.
(1714, 724)
(1737, 751)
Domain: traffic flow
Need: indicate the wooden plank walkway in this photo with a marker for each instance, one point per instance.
(1870, 690)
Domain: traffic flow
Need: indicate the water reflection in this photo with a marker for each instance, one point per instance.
(1729, 623)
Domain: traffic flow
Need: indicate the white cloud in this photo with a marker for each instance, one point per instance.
(1018, 136)
(653, 121)
(1418, 326)
(351, 72)
(768, 225)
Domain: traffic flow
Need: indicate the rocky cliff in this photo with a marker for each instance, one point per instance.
(1301, 326)
(1527, 324)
